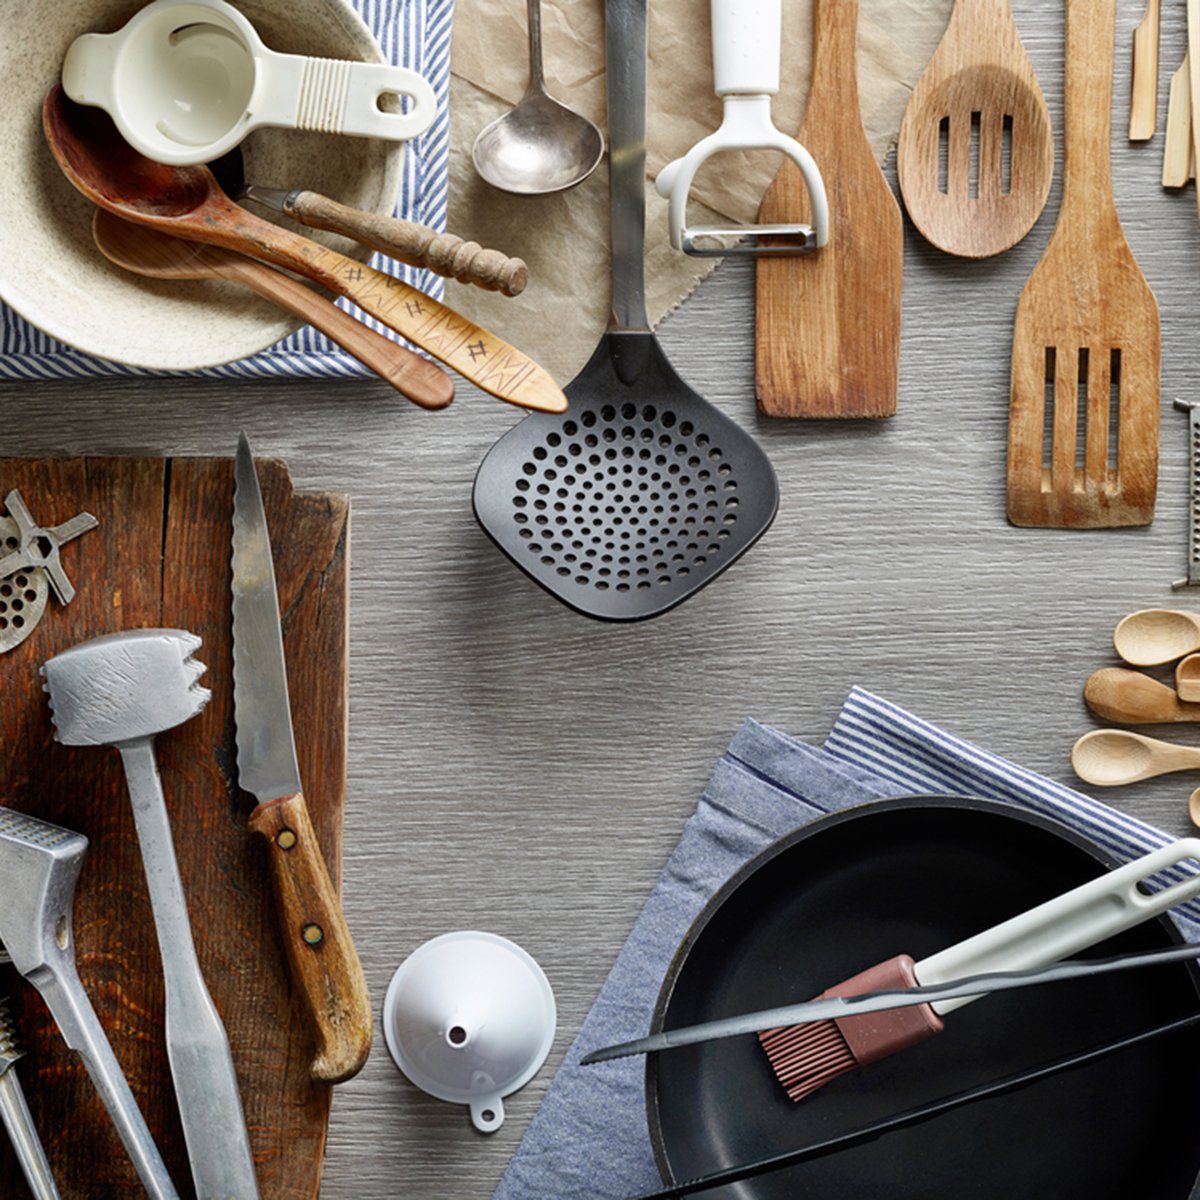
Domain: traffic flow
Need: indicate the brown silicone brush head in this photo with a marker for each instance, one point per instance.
(807, 1057)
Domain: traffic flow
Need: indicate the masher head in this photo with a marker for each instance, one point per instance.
(125, 686)
(39, 866)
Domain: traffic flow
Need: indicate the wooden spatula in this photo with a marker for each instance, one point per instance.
(976, 151)
(1083, 430)
(828, 324)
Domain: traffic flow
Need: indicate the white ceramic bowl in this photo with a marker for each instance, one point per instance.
(50, 270)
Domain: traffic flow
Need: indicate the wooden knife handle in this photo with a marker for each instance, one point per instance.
(417, 245)
(322, 958)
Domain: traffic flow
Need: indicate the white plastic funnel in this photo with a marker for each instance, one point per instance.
(469, 1018)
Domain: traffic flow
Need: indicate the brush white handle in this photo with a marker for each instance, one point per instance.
(746, 40)
(1067, 924)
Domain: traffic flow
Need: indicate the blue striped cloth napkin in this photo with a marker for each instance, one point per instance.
(412, 33)
(590, 1138)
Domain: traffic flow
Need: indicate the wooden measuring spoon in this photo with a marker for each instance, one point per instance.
(1131, 698)
(147, 252)
(188, 202)
(1187, 678)
(1087, 331)
(976, 105)
(827, 342)
(1155, 636)
(1112, 757)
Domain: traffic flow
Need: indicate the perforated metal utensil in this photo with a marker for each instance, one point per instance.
(642, 492)
(23, 595)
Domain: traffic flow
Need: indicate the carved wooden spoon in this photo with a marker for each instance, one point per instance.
(976, 150)
(188, 202)
(1112, 757)
(147, 252)
(1131, 698)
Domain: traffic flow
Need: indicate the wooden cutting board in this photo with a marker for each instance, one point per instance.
(161, 558)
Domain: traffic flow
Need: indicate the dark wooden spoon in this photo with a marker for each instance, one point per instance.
(187, 202)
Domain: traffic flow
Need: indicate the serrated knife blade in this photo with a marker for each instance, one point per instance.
(266, 743)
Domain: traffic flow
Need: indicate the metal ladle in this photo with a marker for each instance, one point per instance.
(540, 146)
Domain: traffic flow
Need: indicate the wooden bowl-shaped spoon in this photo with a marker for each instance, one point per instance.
(1155, 636)
(1187, 678)
(1113, 757)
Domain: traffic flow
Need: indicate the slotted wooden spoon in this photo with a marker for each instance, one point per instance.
(828, 324)
(1083, 426)
(976, 150)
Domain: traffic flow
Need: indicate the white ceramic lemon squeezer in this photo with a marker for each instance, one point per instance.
(186, 80)
(746, 38)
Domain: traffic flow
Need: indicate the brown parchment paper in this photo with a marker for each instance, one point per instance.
(564, 238)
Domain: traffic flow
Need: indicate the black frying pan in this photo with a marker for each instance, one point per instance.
(915, 875)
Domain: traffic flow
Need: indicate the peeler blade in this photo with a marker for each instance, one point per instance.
(749, 240)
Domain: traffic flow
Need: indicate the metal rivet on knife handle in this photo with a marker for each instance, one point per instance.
(310, 915)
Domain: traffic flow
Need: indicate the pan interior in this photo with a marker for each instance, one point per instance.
(914, 877)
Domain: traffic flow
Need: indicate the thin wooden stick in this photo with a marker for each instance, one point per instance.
(1143, 95)
(1179, 154)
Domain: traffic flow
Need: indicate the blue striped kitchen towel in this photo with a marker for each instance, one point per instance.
(412, 33)
(589, 1138)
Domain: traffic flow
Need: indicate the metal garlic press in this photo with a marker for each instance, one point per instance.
(746, 52)
(39, 867)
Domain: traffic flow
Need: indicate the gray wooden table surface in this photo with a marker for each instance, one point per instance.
(517, 768)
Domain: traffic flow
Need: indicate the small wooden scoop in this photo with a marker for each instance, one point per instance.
(1131, 698)
(146, 252)
(188, 202)
(1113, 757)
(1187, 678)
(976, 107)
(1155, 636)
(827, 342)
(1086, 344)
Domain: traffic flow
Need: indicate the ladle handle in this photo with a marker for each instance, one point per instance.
(625, 30)
(1082, 917)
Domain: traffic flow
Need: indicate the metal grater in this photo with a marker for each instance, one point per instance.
(1192, 408)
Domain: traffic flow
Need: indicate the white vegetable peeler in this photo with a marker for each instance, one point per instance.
(746, 53)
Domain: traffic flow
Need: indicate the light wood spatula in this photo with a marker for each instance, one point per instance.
(1083, 427)
(827, 342)
(976, 151)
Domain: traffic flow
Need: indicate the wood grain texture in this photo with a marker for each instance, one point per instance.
(417, 245)
(322, 960)
(1083, 431)
(517, 768)
(1179, 151)
(161, 558)
(978, 79)
(1143, 91)
(827, 324)
(146, 251)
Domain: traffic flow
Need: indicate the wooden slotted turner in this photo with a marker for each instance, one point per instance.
(976, 151)
(1083, 428)
(827, 341)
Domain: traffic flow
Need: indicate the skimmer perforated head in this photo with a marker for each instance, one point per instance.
(636, 497)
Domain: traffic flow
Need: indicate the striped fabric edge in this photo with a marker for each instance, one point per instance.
(413, 33)
(890, 742)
